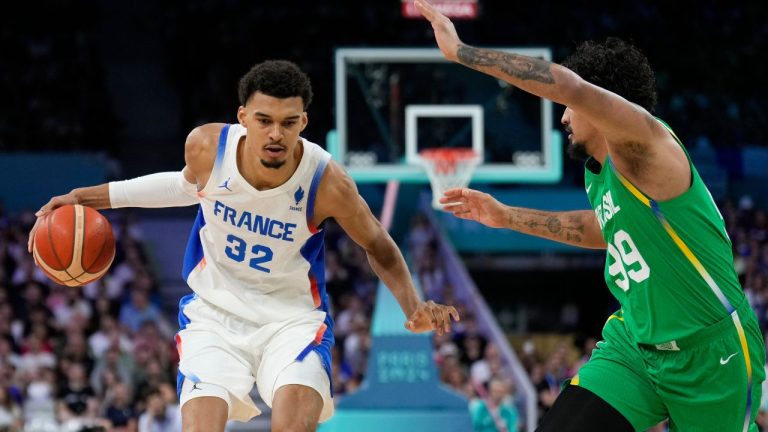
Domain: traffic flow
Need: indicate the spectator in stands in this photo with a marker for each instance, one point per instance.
(69, 306)
(10, 413)
(133, 314)
(495, 412)
(158, 417)
(119, 410)
(8, 357)
(108, 334)
(338, 280)
(357, 344)
(76, 395)
(420, 237)
(40, 402)
(429, 271)
(343, 377)
(489, 366)
(119, 362)
(547, 388)
(35, 356)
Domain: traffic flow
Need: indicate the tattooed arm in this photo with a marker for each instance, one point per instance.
(620, 120)
(638, 144)
(578, 228)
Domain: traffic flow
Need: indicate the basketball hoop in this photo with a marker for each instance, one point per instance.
(448, 168)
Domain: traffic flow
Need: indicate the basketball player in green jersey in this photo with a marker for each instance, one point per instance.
(685, 345)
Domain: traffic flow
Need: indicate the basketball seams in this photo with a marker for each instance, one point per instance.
(98, 255)
(51, 244)
(76, 266)
(105, 240)
(51, 272)
(85, 220)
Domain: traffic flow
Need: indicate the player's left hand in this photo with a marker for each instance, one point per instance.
(432, 316)
(445, 32)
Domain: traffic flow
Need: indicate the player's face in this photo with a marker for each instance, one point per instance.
(274, 126)
(580, 132)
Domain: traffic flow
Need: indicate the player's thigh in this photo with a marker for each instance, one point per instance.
(718, 386)
(208, 357)
(307, 378)
(579, 410)
(616, 374)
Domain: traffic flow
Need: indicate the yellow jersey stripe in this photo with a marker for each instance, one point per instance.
(575, 380)
(676, 238)
(688, 253)
(748, 363)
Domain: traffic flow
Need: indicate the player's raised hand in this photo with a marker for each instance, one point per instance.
(432, 316)
(474, 205)
(445, 33)
(50, 206)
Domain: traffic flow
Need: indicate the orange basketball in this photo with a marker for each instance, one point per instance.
(74, 245)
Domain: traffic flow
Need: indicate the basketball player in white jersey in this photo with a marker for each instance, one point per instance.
(254, 260)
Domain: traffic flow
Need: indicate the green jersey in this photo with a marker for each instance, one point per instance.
(668, 263)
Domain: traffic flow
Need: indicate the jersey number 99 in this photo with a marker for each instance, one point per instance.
(627, 261)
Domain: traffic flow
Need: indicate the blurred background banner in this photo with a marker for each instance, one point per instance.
(456, 9)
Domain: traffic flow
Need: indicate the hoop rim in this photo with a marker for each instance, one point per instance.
(448, 153)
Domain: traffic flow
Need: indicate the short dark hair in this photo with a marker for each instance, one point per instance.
(617, 66)
(277, 78)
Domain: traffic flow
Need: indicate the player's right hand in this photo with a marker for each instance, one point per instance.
(430, 316)
(445, 32)
(474, 205)
(53, 204)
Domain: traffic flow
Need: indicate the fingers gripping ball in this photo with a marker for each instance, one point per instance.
(74, 245)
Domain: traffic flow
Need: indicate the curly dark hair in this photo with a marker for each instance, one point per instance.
(276, 78)
(617, 66)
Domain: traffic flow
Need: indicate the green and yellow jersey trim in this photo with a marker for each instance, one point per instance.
(688, 253)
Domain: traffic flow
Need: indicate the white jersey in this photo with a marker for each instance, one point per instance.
(255, 253)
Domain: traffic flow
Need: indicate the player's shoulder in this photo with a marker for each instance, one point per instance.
(336, 190)
(203, 139)
(200, 149)
(336, 180)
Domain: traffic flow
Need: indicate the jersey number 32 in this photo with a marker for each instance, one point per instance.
(237, 250)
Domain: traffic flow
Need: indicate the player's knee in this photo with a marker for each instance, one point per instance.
(294, 424)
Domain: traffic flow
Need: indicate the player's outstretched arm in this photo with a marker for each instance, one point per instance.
(577, 228)
(166, 189)
(608, 111)
(639, 145)
(338, 198)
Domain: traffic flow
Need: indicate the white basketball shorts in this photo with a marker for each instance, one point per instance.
(225, 351)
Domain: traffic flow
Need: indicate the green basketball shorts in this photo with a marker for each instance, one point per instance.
(710, 381)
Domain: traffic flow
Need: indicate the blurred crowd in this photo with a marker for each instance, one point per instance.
(94, 358)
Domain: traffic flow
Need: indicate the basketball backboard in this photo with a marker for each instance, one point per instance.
(391, 103)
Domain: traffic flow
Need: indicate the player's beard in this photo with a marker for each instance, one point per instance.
(272, 164)
(577, 151)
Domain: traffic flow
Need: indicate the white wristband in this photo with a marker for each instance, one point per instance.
(166, 189)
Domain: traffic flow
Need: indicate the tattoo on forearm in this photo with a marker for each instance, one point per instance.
(563, 227)
(553, 225)
(518, 66)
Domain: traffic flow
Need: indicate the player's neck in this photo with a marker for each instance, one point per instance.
(599, 151)
(262, 177)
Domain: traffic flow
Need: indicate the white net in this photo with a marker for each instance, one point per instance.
(448, 168)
